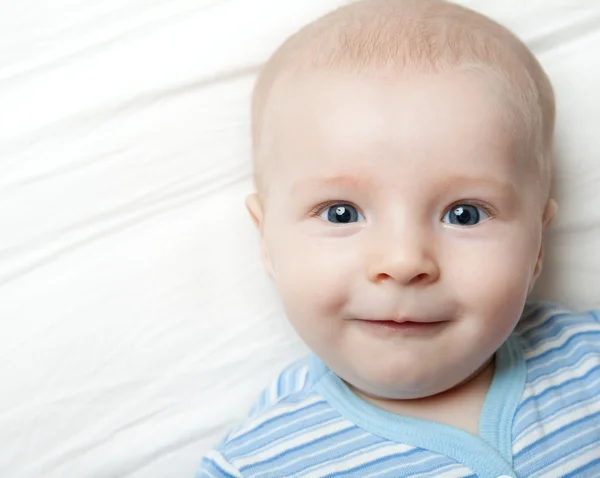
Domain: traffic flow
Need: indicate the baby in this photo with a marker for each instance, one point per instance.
(403, 165)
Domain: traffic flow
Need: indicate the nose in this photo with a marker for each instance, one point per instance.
(405, 258)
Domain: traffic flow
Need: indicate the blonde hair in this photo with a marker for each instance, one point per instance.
(418, 36)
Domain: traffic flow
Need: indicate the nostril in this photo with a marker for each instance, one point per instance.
(423, 277)
(382, 277)
(406, 269)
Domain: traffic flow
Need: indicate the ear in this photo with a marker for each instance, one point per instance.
(549, 213)
(255, 209)
(547, 218)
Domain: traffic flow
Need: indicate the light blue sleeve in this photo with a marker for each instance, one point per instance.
(215, 465)
(293, 379)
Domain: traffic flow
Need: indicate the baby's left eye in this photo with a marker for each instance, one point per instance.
(465, 215)
(341, 214)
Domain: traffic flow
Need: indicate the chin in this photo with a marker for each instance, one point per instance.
(404, 379)
(396, 387)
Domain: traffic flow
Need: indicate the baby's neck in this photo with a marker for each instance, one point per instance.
(459, 407)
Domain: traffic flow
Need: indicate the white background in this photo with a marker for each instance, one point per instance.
(136, 324)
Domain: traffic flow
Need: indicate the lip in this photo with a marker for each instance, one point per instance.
(403, 320)
(405, 326)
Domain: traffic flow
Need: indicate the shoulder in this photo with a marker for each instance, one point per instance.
(285, 410)
(555, 418)
(281, 408)
(294, 380)
(550, 330)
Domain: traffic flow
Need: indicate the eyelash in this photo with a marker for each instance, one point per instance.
(488, 209)
(317, 210)
(321, 207)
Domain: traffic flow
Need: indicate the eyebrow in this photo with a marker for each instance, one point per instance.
(363, 182)
(346, 182)
(507, 187)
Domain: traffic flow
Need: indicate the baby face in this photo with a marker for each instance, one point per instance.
(399, 224)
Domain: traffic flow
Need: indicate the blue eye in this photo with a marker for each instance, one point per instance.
(341, 214)
(465, 215)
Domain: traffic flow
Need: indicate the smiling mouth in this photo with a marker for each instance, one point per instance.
(403, 323)
(408, 326)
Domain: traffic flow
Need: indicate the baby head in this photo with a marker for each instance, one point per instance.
(402, 156)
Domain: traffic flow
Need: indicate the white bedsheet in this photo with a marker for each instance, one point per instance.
(136, 324)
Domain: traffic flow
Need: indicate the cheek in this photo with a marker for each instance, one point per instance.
(495, 274)
(311, 275)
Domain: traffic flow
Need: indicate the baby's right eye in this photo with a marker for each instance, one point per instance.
(341, 213)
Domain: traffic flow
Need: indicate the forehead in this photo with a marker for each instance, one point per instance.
(328, 122)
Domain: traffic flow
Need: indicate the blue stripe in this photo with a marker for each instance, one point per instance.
(542, 319)
(287, 431)
(299, 448)
(564, 346)
(553, 326)
(392, 472)
(557, 409)
(327, 454)
(290, 375)
(377, 461)
(210, 468)
(569, 449)
(592, 464)
(353, 455)
(576, 354)
(273, 421)
(551, 435)
(558, 387)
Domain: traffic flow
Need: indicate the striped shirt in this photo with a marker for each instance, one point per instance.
(540, 418)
